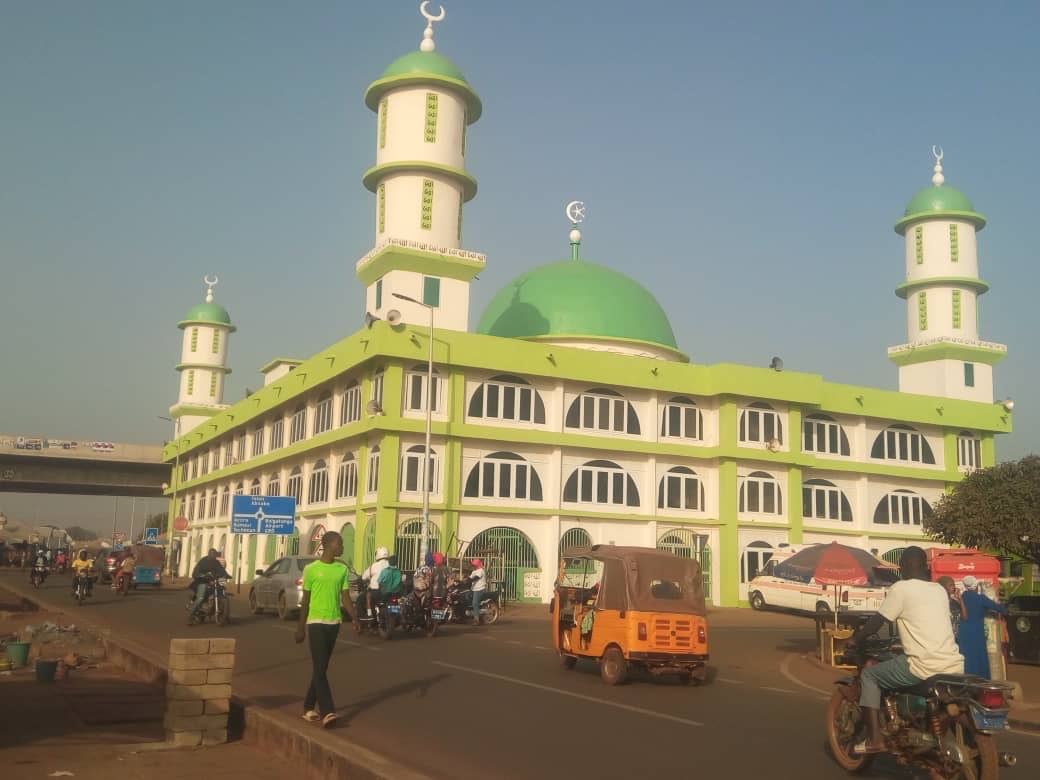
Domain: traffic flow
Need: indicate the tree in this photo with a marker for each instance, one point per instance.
(997, 508)
(79, 534)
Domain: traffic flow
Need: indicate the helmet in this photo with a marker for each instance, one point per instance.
(438, 558)
(476, 563)
(382, 554)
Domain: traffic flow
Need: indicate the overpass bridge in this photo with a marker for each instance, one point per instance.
(31, 464)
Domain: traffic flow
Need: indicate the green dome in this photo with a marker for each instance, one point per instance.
(939, 201)
(424, 67)
(206, 312)
(573, 298)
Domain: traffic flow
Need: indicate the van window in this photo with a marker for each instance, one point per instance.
(767, 570)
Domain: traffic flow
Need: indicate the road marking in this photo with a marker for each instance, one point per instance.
(731, 682)
(513, 642)
(580, 696)
(786, 672)
(776, 690)
(539, 647)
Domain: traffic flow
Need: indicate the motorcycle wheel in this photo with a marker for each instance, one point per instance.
(490, 616)
(979, 751)
(431, 626)
(386, 627)
(221, 615)
(79, 597)
(845, 725)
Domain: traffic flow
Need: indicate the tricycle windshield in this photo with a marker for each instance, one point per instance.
(580, 572)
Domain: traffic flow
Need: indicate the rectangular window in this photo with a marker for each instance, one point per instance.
(277, 433)
(969, 452)
(213, 385)
(383, 111)
(465, 124)
(298, 425)
(373, 471)
(241, 448)
(258, 441)
(415, 392)
(228, 445)
(458, 224)
(430, 133)
(954, 248)
(969, 375)
(191, 381)
(919, 244)
(381, 201)
(194, 339)
(216, 341)
(922, 311)
(350, 406)
(431, 291)
(956, 308)
(426, 215)
(323, 415)
(379, 294)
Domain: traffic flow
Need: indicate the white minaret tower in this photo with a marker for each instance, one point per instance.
(943, 354)
(423, 105)
(203, 363)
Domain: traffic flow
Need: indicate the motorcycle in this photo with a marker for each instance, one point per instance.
(81, 588)
(38, 574)
(417, 614)
(385, 616)
(122, 583)
(944, 724)
(215, 606)
(459, 607)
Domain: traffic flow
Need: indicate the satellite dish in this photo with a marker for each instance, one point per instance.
(776, 364)
(369, 319)
(373, 407)
(393, 316)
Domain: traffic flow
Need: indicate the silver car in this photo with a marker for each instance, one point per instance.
(280, 587)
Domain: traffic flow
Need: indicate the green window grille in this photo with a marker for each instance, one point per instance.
(431, 291)
(426, 219)
(919, 244)
(922, 311)
(954, 248)
(458, 225)
(956, 308)
(969, 375)
(213, 385)
(191, 380)
(431, 117)
(216, 341)
(194, 339)
(379, 294)
(464, 125)
(381, 199)
(383, 109)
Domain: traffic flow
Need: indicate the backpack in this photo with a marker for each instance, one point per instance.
(389, 580)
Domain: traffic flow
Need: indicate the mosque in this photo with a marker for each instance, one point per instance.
(570, 414)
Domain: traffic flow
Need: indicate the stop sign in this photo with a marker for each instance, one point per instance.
(180, 524)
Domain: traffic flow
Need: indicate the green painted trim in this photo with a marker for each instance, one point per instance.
(430, 129)
(377, 172)
(980, 287)
(397, 258)
(426, 206)
(794, 481)
(874, 535)
(380, 87)
(947, 351)
(279, 361)
(554, 337)
(204, 366)
(208, 323)
(729, 539)
(976, 219)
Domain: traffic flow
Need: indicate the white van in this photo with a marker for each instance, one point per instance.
(767, 590)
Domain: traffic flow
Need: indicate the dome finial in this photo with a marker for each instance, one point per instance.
(211, 282)
(937, 177)
(576, 214)
(427, 41)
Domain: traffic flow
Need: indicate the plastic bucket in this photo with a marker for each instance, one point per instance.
(18, 652)
(45, 671)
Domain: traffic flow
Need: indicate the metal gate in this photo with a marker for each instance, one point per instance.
(686, 543)
(408, 543)
(508, 550)
(574, 537)
(893, 556)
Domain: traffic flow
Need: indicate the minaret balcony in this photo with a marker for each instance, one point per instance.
(397, 254)
(948, 348)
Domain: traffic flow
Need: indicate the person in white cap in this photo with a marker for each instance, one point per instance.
(972, 635)
(372, 575)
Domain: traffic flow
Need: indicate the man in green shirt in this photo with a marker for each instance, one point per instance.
(324, 590)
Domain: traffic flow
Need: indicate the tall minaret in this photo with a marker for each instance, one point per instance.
(943, 354)
(203, 362)
(423, 105)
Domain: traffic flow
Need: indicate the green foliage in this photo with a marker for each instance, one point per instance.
(996, 508)
(79, 534)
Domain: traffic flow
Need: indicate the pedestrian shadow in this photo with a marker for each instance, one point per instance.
(420, 687)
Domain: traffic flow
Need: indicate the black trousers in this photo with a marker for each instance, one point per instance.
(322, 639)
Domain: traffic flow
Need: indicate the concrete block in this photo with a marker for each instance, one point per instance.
(189, 646)
(197, 692)
(222, 645)
(183, 707)
(188, 676)
(194, 722)
(217, 706)
(218, 676)
(214, 736)
(207, 661)
(184, 738)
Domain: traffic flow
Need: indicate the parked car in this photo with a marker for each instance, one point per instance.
(279, 587)
(769, 591)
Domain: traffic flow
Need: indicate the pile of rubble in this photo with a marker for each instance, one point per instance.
(49, 639)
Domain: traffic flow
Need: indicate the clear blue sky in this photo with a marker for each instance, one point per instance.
(745, 161)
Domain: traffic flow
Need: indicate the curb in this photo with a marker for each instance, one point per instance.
(272, 732)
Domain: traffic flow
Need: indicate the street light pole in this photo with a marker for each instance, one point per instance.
(424, 546)
(176, 484)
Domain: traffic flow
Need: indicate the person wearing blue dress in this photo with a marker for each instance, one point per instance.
(972, 635)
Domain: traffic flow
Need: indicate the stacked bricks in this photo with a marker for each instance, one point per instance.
(198, 691)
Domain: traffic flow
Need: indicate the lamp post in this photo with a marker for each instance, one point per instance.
(425, 544)
(176, 484)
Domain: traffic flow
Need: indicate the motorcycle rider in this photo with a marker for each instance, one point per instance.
(920, 608)
(207, 568)
(478, 586)
(83, 565)
(372, 575)
(39, 567)
(126, 568)
(440, 578)
(421, 581)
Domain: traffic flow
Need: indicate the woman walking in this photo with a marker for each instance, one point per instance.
(972, 635)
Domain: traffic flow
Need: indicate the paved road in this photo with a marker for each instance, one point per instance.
(495, 700)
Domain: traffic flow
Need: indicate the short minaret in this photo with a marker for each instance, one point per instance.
(943, 354)
(423, 105)
(203, 363)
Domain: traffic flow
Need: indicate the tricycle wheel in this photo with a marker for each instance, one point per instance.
(613, 667)
(569, 661)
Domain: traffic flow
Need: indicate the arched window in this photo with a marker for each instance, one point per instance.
(902, 507)
(274, 484)
(574, 538)
(277, 433)
(821, 433)
(225, 501)
(681, 542)
(759, 423)
(823, 500)
(347, 532)
(507, 398)
(346, 477)
(240, 489)
(415, 390)
(601, 482)
(680, 488)
(294, 485)
(191, 508)
(319, 488)
(760, 494)
(901, 442)
(753, 559)
(204, 464)
(373, 471)
(323, 413)
(408, 543)
(503, 475)
(368, 541)
(350, 406)
(298, 424)
(412, 469)
(681, 419)
(255, 489)
(602, 409)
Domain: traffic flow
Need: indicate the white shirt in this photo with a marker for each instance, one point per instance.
(479, 579)
(372, 573)
(921, 611)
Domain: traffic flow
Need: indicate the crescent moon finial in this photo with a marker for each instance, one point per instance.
(427, 41)
(937, 175)
(211, 282)
(576, 211)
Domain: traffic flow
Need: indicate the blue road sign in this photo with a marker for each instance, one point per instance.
(263, 515)
(151, 536)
